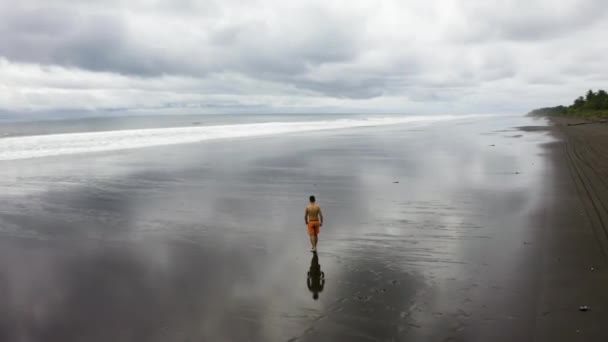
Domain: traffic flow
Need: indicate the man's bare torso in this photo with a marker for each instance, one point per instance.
(312, 210)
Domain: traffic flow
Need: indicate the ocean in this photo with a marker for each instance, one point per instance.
(49, 138)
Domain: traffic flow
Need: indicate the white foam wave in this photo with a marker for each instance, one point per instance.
(13, 148)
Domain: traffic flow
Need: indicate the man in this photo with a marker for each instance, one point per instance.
(313, 216)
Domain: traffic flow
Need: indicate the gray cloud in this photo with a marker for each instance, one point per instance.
(53, 36)
(529, 20)
(102, 55)
(103, 42)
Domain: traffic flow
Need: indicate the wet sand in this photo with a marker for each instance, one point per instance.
(574, 271)
(487, 236)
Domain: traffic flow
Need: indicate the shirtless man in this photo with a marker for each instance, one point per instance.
(313, 216)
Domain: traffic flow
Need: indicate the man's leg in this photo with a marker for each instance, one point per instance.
(314, 241)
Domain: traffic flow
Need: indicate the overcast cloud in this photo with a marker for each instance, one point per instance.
(73, 57)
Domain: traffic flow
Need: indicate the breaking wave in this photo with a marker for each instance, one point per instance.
(13, 148)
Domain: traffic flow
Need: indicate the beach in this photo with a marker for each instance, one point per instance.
(486, 228)
(575, 237)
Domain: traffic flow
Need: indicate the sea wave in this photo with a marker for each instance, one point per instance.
(24, 147)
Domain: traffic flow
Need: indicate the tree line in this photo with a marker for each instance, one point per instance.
(592, 104)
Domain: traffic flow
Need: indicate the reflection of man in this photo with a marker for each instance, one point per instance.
(316, 278)
(313, 216)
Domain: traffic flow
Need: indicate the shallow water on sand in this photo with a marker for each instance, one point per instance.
(428, 236)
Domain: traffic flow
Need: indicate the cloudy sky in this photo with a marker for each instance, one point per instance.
(72, 57)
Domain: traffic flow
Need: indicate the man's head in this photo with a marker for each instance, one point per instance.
(312, 199)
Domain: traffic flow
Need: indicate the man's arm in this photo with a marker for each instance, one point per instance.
(320, 217)
(306, 216)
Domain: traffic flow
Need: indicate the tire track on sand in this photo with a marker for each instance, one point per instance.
(595, 209)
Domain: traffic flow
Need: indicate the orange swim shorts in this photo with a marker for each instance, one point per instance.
(313, 228)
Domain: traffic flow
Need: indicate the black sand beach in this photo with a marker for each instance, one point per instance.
(574, 272)
(470, 230)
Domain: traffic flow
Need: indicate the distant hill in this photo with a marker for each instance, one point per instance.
(593, 104)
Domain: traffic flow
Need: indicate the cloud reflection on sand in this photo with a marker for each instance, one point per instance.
(207, 241)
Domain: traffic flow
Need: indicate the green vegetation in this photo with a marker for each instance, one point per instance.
(548, 111)
(593, 104)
